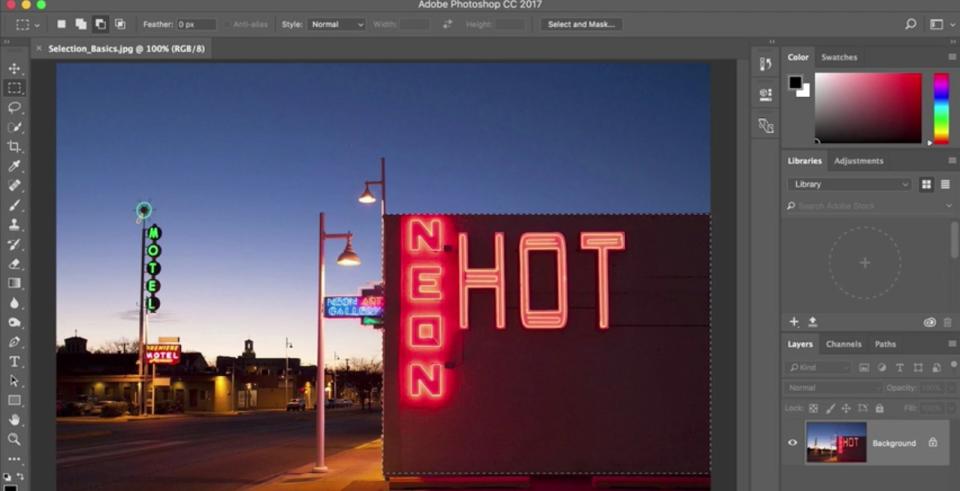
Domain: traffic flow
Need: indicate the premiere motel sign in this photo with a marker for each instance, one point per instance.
(162, 354)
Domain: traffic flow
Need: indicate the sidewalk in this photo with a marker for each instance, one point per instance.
(118, 419)
(356, 469)
(189, 414)
(359, 469)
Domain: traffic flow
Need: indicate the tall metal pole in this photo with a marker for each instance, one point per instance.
(383, 223)
(383, 186)
(383, 255)
(321, 379)
(233, 387)
(153, 391)
(286, 369)
(141, 371)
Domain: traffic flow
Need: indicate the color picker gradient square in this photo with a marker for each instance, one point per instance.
(868, 107)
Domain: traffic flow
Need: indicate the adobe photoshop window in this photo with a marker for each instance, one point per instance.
(474, 244)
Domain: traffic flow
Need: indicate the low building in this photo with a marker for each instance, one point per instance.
(193, 384)
(267, 383)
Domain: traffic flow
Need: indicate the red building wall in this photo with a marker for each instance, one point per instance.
(631, 398)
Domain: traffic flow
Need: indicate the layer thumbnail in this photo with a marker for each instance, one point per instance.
(833, 443)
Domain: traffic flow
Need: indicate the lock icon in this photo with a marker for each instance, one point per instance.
(879, 409)
(933, 443)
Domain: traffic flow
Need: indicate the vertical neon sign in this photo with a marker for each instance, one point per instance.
(425, 318)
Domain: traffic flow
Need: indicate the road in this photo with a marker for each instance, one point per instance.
(199, 452)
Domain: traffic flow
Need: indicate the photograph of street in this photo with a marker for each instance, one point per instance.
(212, 218)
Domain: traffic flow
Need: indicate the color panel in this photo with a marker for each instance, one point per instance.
(941, 108)
(868, 108)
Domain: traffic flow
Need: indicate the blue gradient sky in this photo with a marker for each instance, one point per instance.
(238, 159)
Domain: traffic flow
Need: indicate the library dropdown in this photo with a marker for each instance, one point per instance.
(848, 184)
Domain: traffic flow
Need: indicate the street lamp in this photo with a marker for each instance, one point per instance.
(286, 368)
(347, 258)
(233, 386)
(367, 197)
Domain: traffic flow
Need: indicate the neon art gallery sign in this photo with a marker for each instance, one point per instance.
(435, 293)
(349, 307)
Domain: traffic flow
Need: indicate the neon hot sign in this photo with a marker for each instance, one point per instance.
(436, 282)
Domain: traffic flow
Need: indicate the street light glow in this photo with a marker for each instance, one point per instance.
(348, 257)
(367, 197)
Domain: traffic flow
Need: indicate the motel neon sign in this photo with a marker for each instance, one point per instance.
(437, 278)
(162, 354)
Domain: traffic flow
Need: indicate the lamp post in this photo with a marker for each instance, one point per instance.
(333, 385)
(233, 386)
(368, 197)
(347, 258)
(286, 368)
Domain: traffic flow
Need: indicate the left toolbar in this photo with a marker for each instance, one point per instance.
(15, 267)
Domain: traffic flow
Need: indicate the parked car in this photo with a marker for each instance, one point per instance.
(165, 407)
(335, 403)
(96, 407)
(112, 409)
(296, 404)
(83, 406)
